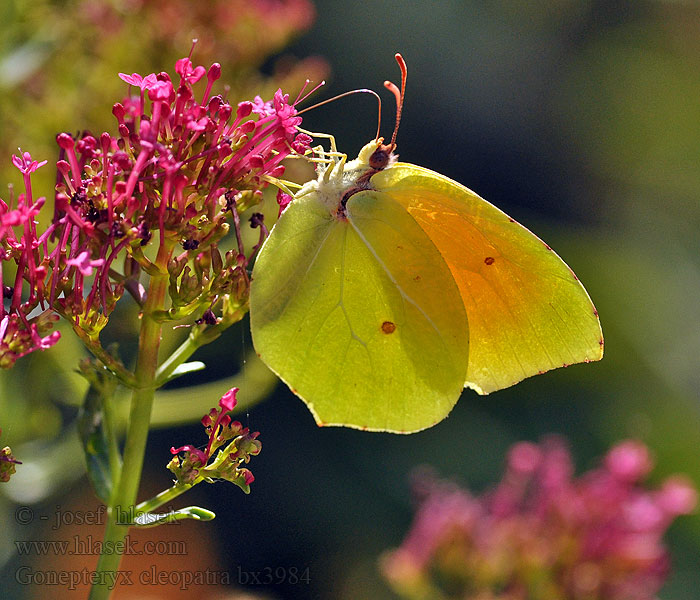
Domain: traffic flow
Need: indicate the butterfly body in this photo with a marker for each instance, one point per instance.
(385, 288)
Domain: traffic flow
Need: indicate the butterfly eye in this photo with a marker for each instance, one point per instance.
(380, 157)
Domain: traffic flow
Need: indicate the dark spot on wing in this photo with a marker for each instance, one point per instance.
(489, 260)
(388, 327)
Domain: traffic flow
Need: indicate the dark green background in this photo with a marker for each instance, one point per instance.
(581, 119)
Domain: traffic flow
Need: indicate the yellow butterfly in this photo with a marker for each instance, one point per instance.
(385, 288)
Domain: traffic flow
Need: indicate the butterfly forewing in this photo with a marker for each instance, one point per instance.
(527, 311)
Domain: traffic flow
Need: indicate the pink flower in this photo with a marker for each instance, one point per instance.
(228, 462)
(245, 108)
(544, 533)
(19, 338)
(199, 125)
(524, 458)
(284, 200)
(84, 264)
(264, 109)
(161, 90)
(25, 163)
(247, 476)
(22, 215)
(183, 68)
(629, 461)
(201, 456)
(302, 143)
(677, 496)
(163, 172)
(285, 113)
(228, 400)
(143, 83)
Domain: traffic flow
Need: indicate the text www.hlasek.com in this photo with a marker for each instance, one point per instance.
(90, 546)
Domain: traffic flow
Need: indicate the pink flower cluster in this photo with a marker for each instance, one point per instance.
(181, 165)
(541, 533)
(20, 331)
(220, 429)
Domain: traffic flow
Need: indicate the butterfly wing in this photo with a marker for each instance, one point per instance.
(527, 311)
(361, 317)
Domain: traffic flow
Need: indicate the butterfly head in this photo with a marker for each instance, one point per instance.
(337, 179)
(377, 154)
(374, 156)
(382, 157)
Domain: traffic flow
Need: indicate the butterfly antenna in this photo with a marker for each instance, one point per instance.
(399, 95)
(339, 96)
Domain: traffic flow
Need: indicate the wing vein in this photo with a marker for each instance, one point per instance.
(393, 280)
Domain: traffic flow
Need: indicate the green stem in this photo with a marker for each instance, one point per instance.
(165, 496)
(180, 488)
(181, 354)
(94, 346)
(121, 507)
(199, 336)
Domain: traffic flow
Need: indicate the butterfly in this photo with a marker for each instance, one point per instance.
(385, 288)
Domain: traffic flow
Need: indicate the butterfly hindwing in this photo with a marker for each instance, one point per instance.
(360, 315)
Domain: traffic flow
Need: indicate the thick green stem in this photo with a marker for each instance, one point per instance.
(121, 507)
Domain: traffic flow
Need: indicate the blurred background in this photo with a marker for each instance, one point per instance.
(579, 118)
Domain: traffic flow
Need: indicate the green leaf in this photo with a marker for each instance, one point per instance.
(190, 512)
(185, 368)
(95, 444)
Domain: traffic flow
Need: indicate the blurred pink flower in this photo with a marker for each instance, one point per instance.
(541, 533)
